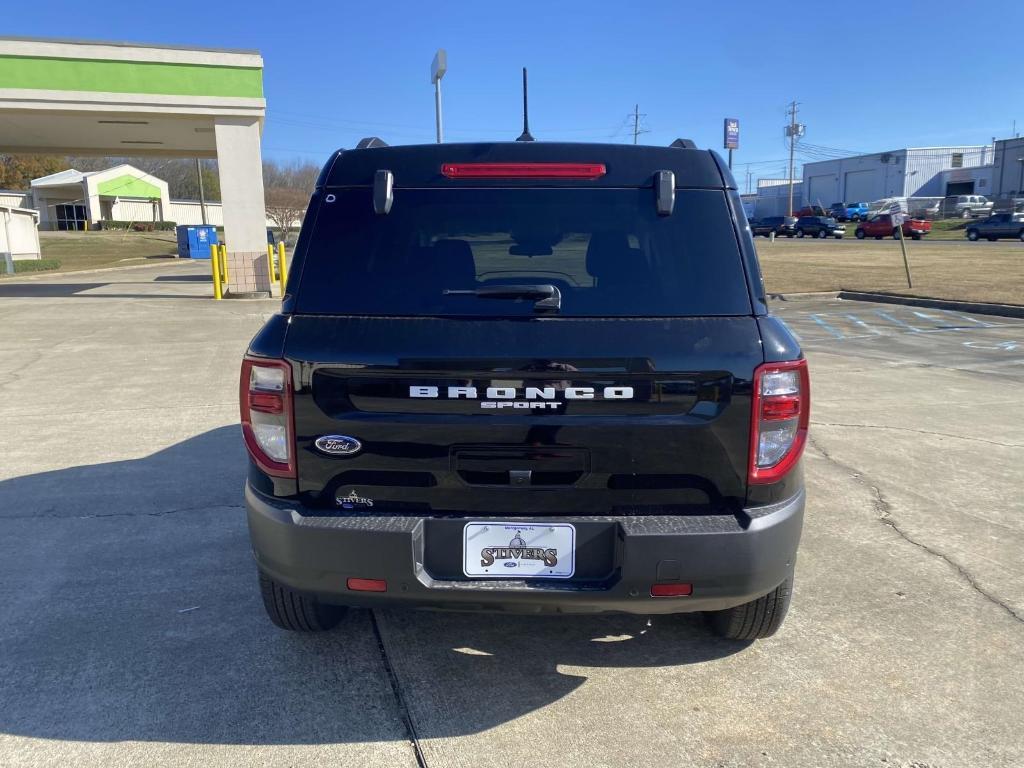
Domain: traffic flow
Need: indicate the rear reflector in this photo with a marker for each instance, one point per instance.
(523, 170)
(367, 585)
(671, 590)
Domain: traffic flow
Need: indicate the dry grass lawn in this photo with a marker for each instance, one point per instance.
(989, 272)
(90, 250)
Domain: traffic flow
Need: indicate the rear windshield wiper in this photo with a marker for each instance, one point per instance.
(547, 297)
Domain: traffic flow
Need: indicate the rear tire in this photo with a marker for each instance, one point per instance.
(965, 213)
(860, 234)
(1021, 236)
(295, 611)
(822, 234)
(800, 233)
(972, 235)
(754, 620)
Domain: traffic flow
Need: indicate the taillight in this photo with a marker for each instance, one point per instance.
(523, 170)
(265, 400)
(778, 420)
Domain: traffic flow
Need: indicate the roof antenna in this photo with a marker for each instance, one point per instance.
(525, 135)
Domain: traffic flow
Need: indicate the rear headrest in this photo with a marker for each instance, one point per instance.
(609, 254)
(454, 259)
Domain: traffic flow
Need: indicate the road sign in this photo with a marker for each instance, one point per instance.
(732, 133)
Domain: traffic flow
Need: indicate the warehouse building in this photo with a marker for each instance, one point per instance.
(915, 172)
(773, 197)
(1008, 168)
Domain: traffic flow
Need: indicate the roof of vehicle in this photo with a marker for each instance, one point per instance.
(625, 165)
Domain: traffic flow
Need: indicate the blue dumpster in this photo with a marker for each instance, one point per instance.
(194, 241)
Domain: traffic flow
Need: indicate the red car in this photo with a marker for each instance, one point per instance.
(882, 226)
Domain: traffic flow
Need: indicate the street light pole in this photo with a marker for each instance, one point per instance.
(437, 70)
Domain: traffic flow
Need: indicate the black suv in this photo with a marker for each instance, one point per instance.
(819, 226)
(526, 377)
(780, 225)
(1001, 225)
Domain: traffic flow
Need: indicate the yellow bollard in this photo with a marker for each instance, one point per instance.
(270, 266)
(218, 292)
(224, 263)
(282, 266)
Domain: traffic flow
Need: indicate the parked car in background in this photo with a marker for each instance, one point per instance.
(1009, 204)
(966, 206)
(882, 225)
(1001, 225)
(819, 226)
(811, 210)
(780, 225)
(849, 211)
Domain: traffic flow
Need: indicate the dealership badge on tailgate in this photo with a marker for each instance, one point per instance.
(519, 550)
(338, 445)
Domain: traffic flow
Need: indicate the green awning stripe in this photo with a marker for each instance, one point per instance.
(53, 74)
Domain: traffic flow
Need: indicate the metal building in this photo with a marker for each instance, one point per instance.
(912, 172)
(773, 197)
(1008, 168)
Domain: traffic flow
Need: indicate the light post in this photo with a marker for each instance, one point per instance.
(437, 70)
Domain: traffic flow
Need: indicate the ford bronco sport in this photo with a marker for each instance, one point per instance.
(526, 377)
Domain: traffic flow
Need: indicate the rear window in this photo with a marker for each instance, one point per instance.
(606, 250)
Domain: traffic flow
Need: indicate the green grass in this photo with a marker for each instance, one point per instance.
(35, 265)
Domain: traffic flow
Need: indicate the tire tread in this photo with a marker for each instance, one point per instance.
(295, 611)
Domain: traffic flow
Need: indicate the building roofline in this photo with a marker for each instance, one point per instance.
(127, 44)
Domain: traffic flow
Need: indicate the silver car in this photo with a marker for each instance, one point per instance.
(966, 206)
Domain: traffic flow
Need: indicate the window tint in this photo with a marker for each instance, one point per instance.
(606, 250)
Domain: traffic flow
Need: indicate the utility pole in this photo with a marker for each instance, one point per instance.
(202, 194)
(793, 130)
(748, 178)
(636, 121)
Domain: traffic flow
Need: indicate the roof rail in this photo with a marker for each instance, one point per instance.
(683, 144)
(370, 142)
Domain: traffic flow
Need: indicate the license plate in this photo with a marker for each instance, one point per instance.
(505, 550)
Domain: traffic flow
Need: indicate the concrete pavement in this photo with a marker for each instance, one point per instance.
(131, 631)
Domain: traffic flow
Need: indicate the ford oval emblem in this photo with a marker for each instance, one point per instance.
(338, 445)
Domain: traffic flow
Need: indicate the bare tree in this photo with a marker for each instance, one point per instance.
(287, 189)
(285, 207)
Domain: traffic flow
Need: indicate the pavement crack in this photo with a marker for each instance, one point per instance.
(158, 513)
(883, 509)
(396, 690)
(916, 431)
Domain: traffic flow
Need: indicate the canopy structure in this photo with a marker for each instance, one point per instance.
(117, 99)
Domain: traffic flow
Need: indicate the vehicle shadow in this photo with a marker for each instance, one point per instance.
(82, 290)
(131, 613)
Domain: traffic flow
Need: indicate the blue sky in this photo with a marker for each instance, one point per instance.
(335, 72)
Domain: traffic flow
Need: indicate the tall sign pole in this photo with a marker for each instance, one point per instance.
(437, 70)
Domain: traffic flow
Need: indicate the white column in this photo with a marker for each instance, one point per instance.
(92, 203)
(240, 166)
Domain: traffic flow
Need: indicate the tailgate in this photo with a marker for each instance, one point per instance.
(535, 417)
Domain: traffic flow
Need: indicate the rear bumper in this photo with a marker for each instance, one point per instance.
(729, 560)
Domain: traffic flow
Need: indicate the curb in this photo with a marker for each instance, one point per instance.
(808, 295)
(979, 308)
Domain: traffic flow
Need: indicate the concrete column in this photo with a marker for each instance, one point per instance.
(240, 166)
(92, 203)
